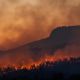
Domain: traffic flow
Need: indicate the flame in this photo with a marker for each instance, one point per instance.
(25, 65)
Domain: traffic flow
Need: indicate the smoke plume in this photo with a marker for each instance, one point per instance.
(24, 21)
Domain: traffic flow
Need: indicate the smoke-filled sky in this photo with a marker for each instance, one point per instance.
(24, 21)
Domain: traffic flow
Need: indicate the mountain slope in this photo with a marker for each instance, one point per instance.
(58, 39)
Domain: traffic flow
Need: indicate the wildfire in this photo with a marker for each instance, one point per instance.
(26, 62)
(35, 64)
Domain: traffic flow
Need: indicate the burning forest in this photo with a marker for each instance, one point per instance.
(38, 38)
(63, 42)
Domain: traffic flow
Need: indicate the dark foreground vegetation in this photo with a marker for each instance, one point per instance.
(59, 70)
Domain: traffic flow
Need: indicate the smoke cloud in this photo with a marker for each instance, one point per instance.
(24, 21)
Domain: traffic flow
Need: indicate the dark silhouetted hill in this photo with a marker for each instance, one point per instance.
(58, 39)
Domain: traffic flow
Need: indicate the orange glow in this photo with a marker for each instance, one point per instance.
(24, 21)
(30, 17)
(21, 64)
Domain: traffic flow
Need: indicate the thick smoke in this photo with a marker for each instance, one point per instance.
(29, 17)
(24, 21)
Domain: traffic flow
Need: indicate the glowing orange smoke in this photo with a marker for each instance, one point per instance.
(59, 55)
(19, 17)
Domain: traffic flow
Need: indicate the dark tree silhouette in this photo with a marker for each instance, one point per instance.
(59, 70)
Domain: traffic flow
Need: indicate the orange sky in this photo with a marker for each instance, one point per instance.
(24, 21)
